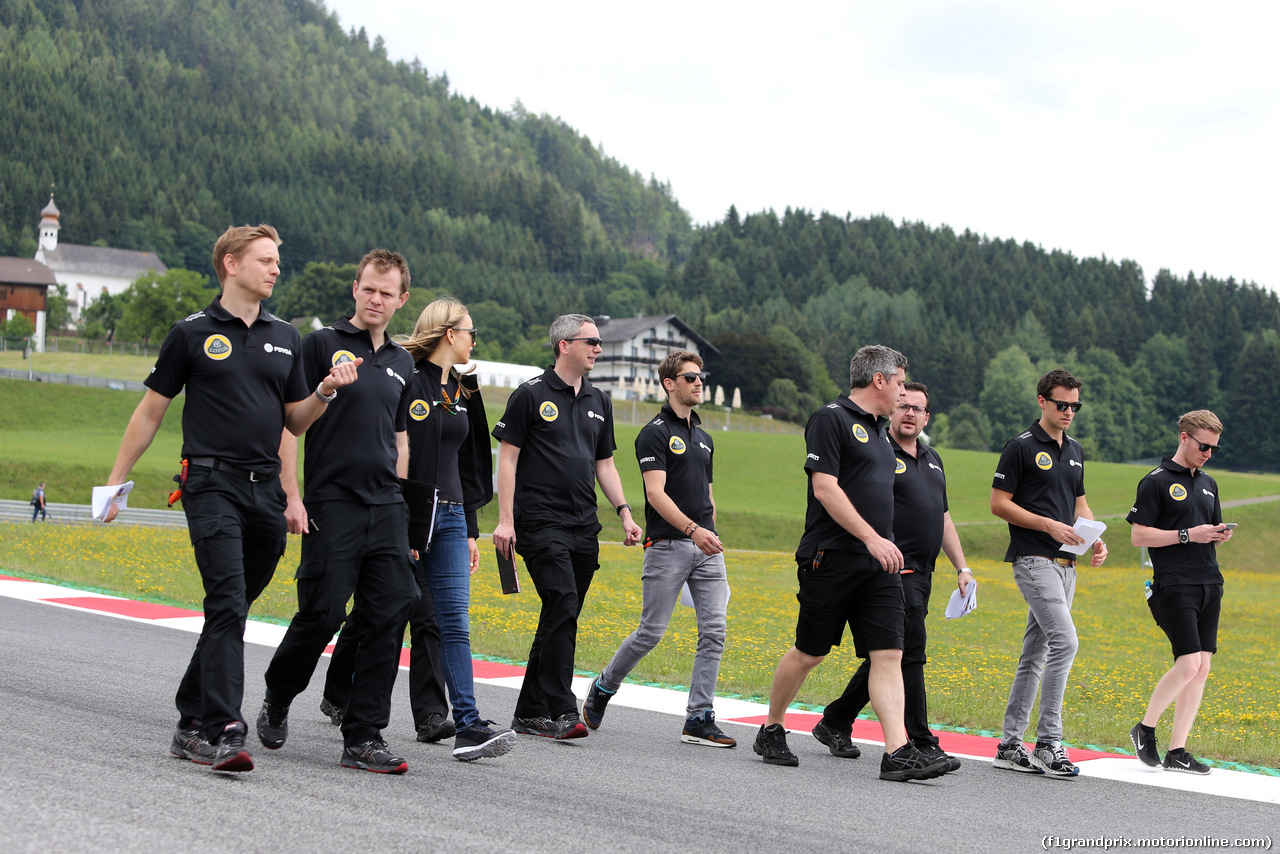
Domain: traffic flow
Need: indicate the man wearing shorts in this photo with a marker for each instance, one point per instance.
(1177, 517)
(847, 563)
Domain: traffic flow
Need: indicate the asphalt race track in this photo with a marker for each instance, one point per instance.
(86, 716)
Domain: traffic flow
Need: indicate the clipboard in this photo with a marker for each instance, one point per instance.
(507, 572)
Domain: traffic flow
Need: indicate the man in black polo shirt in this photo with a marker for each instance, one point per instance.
(357, 538)
(1177, 516)
(556, 441)
(921, 527)
(1039, 490)
(681, 547)
(847, 563)
(242, 370)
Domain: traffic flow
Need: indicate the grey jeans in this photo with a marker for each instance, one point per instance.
(668, 564)
(1048, 647)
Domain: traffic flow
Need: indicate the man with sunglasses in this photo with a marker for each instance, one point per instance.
(1177, 516)
(1038, 489)
(556, 441)
(922, 527)
(681, 547)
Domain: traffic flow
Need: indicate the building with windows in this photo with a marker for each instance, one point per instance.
(24, 290)
(635, 346)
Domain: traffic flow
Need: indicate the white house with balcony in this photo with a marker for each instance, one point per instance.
(634, 347)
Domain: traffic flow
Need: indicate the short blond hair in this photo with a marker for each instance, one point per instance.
(235, 242)
(1199, 419)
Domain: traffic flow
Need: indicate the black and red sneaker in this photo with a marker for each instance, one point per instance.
(229, 753)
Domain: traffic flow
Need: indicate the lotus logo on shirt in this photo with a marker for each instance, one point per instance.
(548, 411)
(343, 356)
(1044, 461)
(900, 467)
(676, 445)
(217, 347)
(860, 433)
(419, 410)
(1178, 492)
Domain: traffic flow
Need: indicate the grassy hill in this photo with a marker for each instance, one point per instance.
(68, 437)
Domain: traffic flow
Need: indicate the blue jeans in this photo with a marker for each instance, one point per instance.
(668, 564)
(447, 568)
(1048, 647)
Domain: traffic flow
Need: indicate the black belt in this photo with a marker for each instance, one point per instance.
(218, 465)
(443, 503)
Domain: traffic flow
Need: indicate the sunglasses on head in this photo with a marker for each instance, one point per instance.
(691, 377)
(1063, 405)
(1205, 447)
(591, 342)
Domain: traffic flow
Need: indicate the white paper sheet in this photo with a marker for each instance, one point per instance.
(106, 496)
(1089, 531)
(961, 604)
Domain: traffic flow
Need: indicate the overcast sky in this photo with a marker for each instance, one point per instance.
(1146, 131)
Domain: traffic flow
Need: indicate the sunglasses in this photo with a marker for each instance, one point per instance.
(1205, 447)
(1063, 406)
(474, 332)
(591, 342)
(690, 377)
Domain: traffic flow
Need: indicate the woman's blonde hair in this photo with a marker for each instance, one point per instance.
(437, 318)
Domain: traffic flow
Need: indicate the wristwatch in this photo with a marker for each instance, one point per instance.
(329, 398)
(1183, 536)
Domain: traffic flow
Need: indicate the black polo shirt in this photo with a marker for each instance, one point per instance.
(847, 442)
(351, 448)
(683, 450)
(919, 500)
(1045, 478)
(1170, 498)
(560, 437)
(238, 379)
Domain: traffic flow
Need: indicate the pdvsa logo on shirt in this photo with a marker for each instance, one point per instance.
(276, 348)
(1044, 461)
(860, 433)
(343, 356)
(899, 466)
(548, 411)
(395, 376)
(419, 410)
(1178, 492)
(217, 347)
(677, 445)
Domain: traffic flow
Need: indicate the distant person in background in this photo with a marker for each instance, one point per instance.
(1038, 489)
(681, 547)
(37, 504)
(1177, 517)
(242, 371)
(921, 527)
(847, 564)
(556, 443)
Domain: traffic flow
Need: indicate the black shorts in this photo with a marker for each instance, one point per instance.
(1188, 613)
(843, 587)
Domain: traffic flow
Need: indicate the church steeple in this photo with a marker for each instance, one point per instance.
(49, 226)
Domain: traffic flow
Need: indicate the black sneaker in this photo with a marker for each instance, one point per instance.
(771, 745)
(702, 729)
(1145, 746)
(1181, 760)
(908, 763)
(934, 752)
(593, 707)
(1051, 757)
(373, 756)
(273, 725)
(569, 725)
(435, 728)
(839, 743)
(482, 739)
(228, 751)
(331, 711)
(190, 744)
(544, 727)
(1013, 756)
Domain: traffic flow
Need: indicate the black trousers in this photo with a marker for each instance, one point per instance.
(427, 695)
(361, 550)
(561, 564)
(237, 531)
(841, 713)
